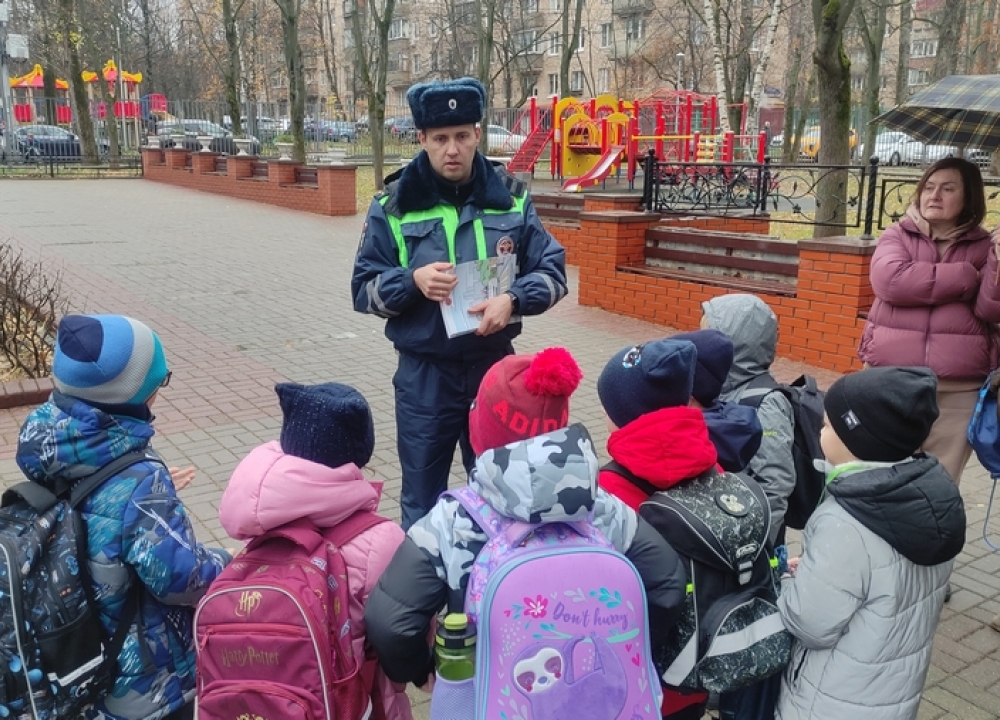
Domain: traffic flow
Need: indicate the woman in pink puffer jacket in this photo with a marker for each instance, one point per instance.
(314, 473)
(937, 302)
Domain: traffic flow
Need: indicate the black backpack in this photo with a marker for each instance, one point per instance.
(730, 634)
(55, 658)
(807, 416)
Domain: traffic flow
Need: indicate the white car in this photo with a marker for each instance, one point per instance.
(501, 141)
(891, 148)
(916, 153)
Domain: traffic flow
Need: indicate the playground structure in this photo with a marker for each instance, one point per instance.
(29, 103)
(588, 140)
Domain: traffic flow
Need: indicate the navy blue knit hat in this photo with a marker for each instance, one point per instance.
(107, 359)
(447, 103)
(715, 358)
(644, 378)
(330, 424)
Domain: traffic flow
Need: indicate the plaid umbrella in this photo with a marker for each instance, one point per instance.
(962, 110)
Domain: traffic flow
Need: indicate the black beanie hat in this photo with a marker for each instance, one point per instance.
(715, 359)
(883, 414)
(330, 424)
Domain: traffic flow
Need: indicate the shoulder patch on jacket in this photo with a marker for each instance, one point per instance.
(514, 186)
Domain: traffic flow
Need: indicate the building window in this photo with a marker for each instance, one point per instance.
(396, 29)
(582, 41)
(603, 80)
(607, 35)
(555, 5)
(553, 83)
(432, 28)
(635, 27)
(576, 81)
(530, 6)
(416, 63)
(528, 42)
(434, 61)
(917, 77)
(555, 46)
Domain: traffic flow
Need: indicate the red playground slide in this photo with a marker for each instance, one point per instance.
(596, 173)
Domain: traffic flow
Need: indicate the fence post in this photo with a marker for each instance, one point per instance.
(870, 207)
(763, 186)
(648, 172)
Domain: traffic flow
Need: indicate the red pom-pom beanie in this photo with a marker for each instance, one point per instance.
(523, 396)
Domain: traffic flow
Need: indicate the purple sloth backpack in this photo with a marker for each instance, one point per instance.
(562, 623)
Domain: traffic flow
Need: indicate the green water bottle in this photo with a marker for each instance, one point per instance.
(455, 647)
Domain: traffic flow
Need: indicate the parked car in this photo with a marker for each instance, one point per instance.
(891, 148)
(222, 139)
(920, 154)
(809, 147)
(35, 142)
(401, 128)
(500, 141)
(330, 130)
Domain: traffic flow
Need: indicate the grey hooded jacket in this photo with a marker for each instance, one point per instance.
(753, 328)
(865, 601)
(549, 478)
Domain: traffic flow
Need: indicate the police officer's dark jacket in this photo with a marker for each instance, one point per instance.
(409, 225)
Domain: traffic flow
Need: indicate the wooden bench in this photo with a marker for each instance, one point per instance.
(743, 261)
(306, 176)
(558, 207)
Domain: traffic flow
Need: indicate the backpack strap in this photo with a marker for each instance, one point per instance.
(42, 500)
(489, 520)
(758, 389)
(618, 469)
(353, 526)
(301, 532)
(517, 532)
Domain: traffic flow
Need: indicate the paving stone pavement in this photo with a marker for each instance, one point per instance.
(246, 295)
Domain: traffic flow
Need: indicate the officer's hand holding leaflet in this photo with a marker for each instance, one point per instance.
(435, 281)
(496, 314)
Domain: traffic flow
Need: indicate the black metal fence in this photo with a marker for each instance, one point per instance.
(791, 192)
(69, 167)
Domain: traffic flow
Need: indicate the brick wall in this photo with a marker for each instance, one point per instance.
(819, 323)
(333, 193)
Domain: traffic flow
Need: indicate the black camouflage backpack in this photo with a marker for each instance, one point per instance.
(807, 416)
(54, 656)
(730, 634)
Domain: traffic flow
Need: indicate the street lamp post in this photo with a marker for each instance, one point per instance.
(680, 70)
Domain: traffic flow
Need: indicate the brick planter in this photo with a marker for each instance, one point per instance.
(18, 393)
(333, 191)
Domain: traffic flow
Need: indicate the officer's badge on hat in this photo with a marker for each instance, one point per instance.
(447, 103)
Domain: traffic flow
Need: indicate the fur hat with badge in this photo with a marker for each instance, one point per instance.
(641, 379)
(523, 396)
(447, 103)
(330, 424)
(883, 414)
(107, 360)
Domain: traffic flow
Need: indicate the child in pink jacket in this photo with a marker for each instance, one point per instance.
(314, 472)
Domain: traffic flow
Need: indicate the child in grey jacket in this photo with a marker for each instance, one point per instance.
(866, 595)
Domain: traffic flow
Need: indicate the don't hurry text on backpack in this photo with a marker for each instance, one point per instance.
(807, 416)
(55, 658)
(730, 634)
(273, 633)
(562, 623)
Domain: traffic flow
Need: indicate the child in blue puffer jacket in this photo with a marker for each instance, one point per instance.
(107, 371)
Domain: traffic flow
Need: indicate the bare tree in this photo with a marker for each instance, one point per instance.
(833, 78)
(370, 33)
(903, 56)
(950, 20)
(872, 21)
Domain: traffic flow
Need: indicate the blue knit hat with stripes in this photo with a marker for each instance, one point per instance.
(107, 359)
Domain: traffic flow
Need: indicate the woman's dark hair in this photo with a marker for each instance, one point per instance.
(974, 207)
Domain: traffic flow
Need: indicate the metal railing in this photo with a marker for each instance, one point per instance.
(790, 191)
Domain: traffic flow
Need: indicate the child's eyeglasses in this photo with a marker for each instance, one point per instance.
(166, 380)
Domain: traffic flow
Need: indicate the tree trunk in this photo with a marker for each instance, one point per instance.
(791, 101)
(78, 88)
(324, 26)
(372, 72)
(571, 39)
(722, 90)
(290, 14)
(147, 45)
(233, 72)
(755, 99)
(903, 61)
(833, 75)
(873, 38)
(951, 20)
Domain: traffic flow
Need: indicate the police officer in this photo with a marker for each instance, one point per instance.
(449, 205)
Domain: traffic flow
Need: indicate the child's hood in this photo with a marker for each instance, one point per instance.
(270, 488)
(664, 447)
(913, 505)
(551, 477)
(753, 328)
(735, 431)
(65, 438)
